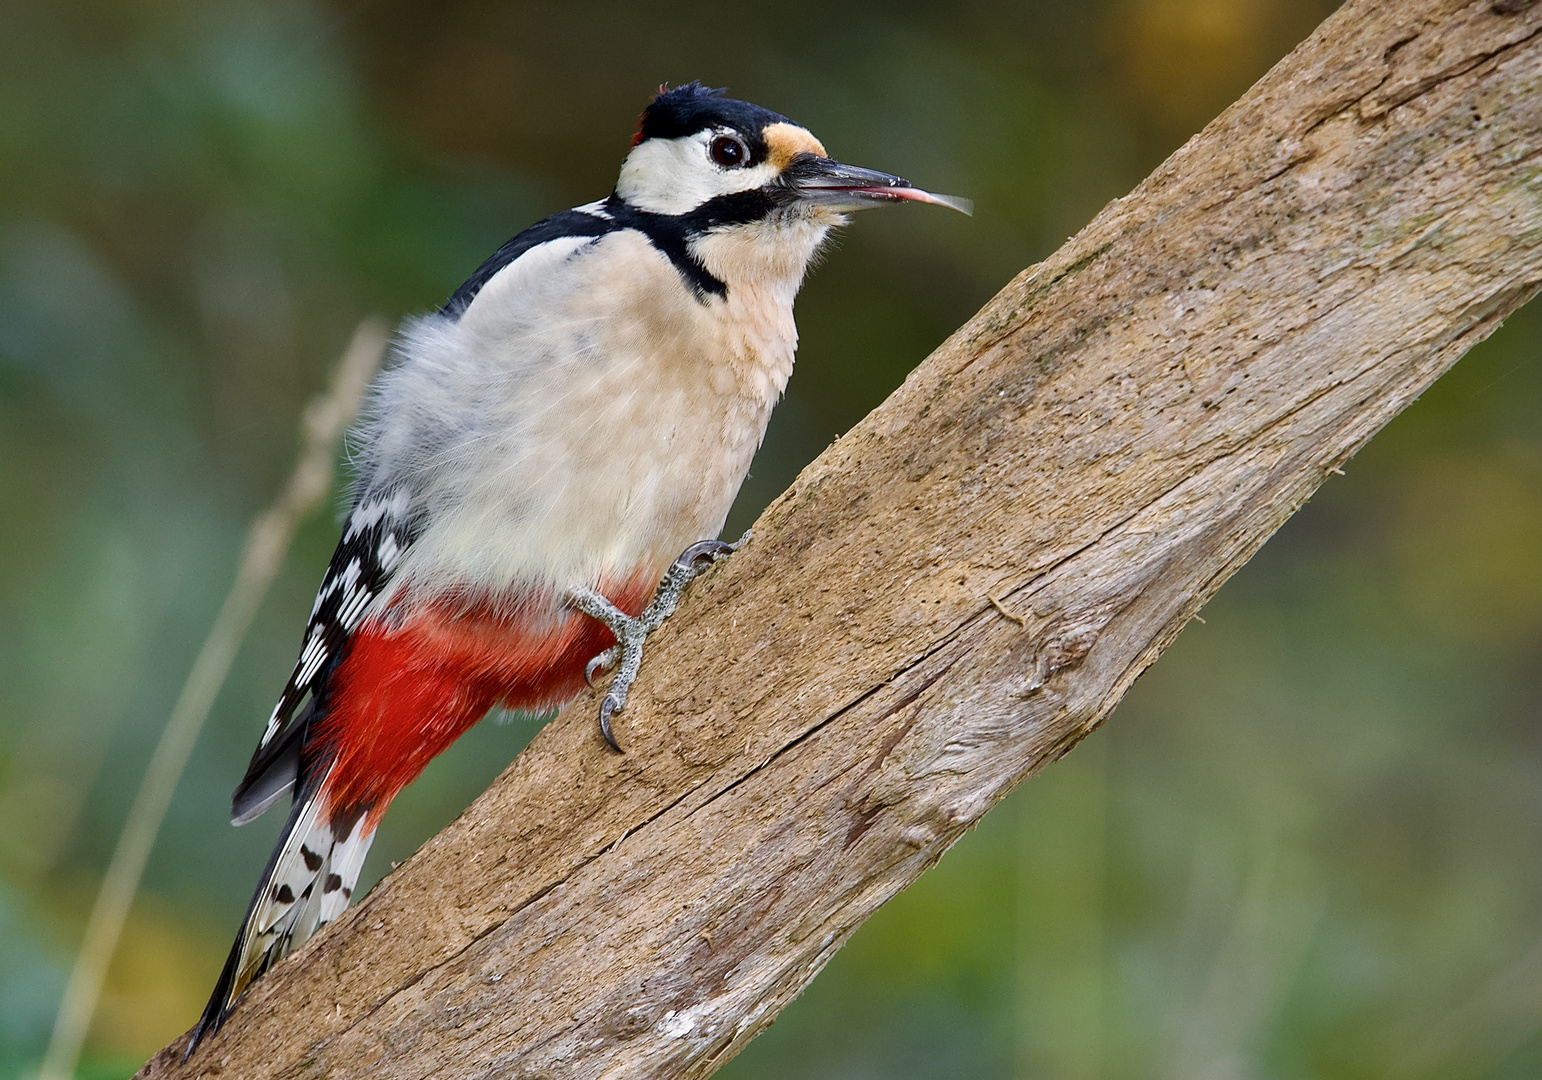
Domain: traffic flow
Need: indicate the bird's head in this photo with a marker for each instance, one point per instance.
(735, 175)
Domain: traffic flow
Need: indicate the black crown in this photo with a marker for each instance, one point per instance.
(692, 107)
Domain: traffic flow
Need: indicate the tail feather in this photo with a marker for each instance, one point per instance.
(326, 894)
(308, 882)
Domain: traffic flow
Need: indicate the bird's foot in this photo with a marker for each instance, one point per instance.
(632, 631)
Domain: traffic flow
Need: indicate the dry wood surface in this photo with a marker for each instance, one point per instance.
(960, 589)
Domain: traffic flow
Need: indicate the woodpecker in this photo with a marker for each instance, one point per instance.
(539, 472)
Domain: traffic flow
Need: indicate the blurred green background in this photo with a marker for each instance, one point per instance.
(1306, 846)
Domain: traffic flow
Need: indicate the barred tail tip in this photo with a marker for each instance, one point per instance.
(308, 882)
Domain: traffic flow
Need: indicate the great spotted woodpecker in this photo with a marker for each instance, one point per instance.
(537, 454)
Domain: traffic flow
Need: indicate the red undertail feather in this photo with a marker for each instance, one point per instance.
(405, 692)
(407, 688)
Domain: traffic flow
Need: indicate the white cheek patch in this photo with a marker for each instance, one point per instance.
(675, 176)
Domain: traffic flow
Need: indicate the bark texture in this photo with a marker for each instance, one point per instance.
(961, 588)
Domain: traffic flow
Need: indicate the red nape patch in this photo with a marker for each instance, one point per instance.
(404, 693)
(642, 117)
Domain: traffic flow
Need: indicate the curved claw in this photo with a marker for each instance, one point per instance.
(608, 706)
(601, 663)
(631, 631)
(708, 551)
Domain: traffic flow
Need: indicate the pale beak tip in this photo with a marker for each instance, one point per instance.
(952, 202)
(915, 194)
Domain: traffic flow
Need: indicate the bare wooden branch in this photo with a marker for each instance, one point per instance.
(961, 588)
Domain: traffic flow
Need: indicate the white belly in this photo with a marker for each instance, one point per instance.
(566, 435)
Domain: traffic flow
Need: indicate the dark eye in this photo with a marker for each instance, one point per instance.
(729, 152)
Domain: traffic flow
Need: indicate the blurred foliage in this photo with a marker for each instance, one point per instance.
(1306, 844)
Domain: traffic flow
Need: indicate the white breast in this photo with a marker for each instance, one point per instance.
(586, 417)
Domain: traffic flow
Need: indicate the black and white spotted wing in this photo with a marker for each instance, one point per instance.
(379, 530)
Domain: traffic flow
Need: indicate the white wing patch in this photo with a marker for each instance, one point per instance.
(372, 511)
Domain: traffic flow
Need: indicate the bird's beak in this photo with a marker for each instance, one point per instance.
(819, 181)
